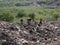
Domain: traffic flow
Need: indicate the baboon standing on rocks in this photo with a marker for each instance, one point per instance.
(22, 24)
(21, 21)
(40, 22)
(29, 21)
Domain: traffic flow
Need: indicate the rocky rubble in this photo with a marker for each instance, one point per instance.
(30, 33)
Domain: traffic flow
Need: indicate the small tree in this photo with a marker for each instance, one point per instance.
(32, 16)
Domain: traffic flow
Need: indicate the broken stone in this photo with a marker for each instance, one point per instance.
(15, 34)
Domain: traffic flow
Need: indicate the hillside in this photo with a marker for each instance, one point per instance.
(45, 9)
(29, 2)
(29, 22)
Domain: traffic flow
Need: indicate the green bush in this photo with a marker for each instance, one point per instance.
(56, 16)
(6, 17)
(21, 14)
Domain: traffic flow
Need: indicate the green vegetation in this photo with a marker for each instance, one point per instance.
(21, 14)
(6, 17)
(11, 13)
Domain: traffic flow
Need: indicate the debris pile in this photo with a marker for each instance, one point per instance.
(30, 33)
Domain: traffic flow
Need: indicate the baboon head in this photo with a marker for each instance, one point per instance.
(29, 21)
(40, 21)
(21, 21)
